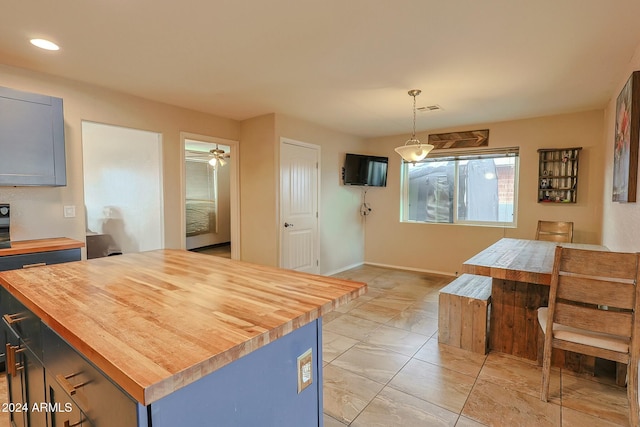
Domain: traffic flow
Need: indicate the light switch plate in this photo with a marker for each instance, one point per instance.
(305, 370)
(70, 211)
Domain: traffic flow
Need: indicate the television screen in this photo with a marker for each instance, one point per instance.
(366, 170)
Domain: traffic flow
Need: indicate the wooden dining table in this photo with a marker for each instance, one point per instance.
(521, 272)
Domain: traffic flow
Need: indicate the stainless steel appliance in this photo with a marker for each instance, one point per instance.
(5, 240)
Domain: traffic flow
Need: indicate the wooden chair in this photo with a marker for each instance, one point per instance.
(593, 301)
(555, 231)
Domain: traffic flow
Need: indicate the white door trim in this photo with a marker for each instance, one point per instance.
(317, 148)
(234, 163)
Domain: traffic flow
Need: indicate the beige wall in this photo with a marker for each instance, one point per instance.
(621, 221)
(444, 247)
(341, 226)
(258, 236)
(37, 212)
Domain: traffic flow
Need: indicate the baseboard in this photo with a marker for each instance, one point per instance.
(340, 270)
(399, 267)
(212, 246)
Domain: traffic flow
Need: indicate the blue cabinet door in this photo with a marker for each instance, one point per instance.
(259, 389)
(32, 148)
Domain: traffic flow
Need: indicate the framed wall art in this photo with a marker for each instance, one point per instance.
(627, 136)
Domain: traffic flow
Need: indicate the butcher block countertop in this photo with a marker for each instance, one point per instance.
(519, 260)
(41, 245)
(157, 321)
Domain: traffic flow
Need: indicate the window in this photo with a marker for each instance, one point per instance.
(201, 197)
(476, 187)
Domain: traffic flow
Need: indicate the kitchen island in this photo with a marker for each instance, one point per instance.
(184, 338)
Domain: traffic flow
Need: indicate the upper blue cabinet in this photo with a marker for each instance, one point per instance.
(31, 139)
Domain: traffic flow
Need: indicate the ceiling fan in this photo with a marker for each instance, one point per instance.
(216, 157)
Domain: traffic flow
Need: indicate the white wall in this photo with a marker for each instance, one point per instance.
(123, 185)
(37, 212)
(621, 221)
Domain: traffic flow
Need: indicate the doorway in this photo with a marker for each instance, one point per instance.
(299, 190)
(122, 170)
(210, 195)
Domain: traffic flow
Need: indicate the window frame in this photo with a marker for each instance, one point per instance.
(457, 156)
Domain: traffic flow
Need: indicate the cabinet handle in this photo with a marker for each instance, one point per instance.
(14, 318)
(12, 366)
(37, 264)
(67, 423)
(64, 382)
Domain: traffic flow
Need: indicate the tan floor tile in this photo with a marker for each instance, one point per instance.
(427, 305)
(330, 316)
(352, 327)
(500, 391)
(397, 340)
(396, 302)
(455, 359)
(375, 363)
(416, 320)
(440, 386)
(375, 312)
(468, 422)
(363, 299)
(520, 375)
(604, 401)
(498, 406)
(333, 345)
(395, 408)
(410, 291)
(363, 273)
(572, 418)
(383, 282)
(346, 394)
(332, 422)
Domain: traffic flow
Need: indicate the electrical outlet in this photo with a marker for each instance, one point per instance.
(70, 211)
(305, 370)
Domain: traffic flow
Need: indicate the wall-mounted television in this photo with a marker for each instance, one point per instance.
(360, 169)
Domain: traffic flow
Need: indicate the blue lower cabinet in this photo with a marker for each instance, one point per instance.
(12, 262)
(259, 389)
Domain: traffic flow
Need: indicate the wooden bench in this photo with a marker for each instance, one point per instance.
(463, 313)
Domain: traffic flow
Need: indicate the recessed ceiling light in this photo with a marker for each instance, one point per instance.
(45, 44)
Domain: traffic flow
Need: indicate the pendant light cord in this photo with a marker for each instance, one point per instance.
(413, 137)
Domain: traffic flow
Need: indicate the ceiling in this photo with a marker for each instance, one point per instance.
(343, 64)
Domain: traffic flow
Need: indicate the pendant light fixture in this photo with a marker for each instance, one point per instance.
(413, 150)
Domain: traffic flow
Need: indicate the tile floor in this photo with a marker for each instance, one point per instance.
(383, 366)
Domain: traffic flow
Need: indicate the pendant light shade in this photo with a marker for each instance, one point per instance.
(413, 150)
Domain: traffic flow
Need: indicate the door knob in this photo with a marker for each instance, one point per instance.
(286, 225)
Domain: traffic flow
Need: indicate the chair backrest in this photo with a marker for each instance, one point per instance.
(583, 281)
(555, 231)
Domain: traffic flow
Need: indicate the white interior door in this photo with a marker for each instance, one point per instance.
(299, 165)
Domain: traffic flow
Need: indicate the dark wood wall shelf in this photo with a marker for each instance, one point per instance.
(558, 175)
